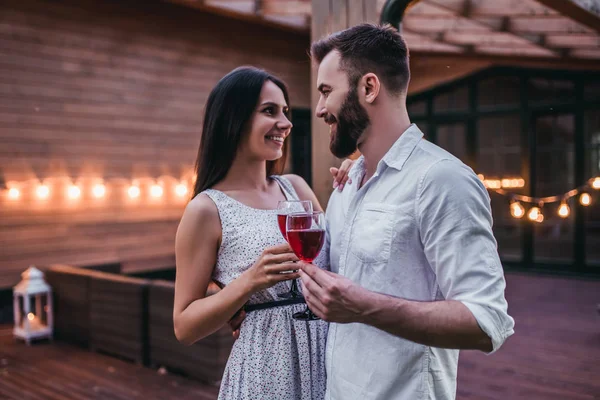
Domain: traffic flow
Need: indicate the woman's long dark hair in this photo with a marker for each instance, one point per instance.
(229, 109)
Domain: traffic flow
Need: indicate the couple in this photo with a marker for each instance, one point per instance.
(409, 273)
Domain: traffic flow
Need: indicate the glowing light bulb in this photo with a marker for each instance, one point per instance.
(74, 192)
(42, 191)
(517, 210)
(99, 190)
(585, 199)
(564, 210)
(14, 193)
(534, 214)
(156, 191)
(596, 183)
(133, 191)
(30, 316)
(181, 190)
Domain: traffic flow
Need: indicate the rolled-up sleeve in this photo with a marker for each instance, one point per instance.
(455, 224)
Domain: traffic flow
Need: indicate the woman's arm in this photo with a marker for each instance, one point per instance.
(196, 316)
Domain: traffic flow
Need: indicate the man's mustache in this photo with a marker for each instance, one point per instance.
(330, 119)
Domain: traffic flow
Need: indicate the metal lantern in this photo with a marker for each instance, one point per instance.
(32, 302)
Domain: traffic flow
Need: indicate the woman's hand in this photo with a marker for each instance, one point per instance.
(267, 270)
(340, 175)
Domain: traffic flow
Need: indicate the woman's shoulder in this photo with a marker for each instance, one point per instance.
(201, 212)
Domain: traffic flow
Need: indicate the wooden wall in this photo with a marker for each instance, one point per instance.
(112, 91)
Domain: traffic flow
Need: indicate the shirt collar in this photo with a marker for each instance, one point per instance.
(403, 147)
(396, 156)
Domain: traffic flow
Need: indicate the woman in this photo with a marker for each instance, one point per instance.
(229, 234)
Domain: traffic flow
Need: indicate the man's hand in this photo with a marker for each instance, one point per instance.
(332, 297)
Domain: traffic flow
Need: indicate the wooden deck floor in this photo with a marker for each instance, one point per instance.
(59, 371)
(555, 351)
(554, 355)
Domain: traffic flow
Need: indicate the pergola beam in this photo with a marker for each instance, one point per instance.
(586, 12)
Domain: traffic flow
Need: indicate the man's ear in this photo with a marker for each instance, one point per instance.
(371, 87)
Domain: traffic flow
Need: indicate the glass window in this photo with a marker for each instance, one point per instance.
(499, 157)
(417, 108)
(591, 89)
(592, 214)
(452, 100)
(549, 91)
(452, 137)
(554, 161)
(498, 91)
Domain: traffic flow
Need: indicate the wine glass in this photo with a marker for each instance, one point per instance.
(283, 209)
(306, 235)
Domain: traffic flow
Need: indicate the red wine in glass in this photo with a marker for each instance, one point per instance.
(306, 243)
(303, 222)
(306, 240)
(283, 209)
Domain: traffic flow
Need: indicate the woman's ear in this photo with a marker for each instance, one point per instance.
(372, 86)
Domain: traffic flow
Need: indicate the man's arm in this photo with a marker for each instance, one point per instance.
(446, 324)
(454, 219)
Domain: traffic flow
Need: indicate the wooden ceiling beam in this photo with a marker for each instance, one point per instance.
(585, 12)
(285, 7)
(505, 27)
(544, 62)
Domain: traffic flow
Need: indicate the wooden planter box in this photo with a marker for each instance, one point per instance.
(204, 360)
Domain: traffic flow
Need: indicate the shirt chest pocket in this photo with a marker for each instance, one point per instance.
(372, 232)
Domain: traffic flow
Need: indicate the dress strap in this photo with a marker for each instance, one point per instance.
(286, 185)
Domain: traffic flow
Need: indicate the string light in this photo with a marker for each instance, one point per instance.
(99, 190)
(517, 210)
(596, 183)
(535, 214)
(181, 190)
(585, 199)
(564, 210)
(14, 193)
(42, 191)
(45, 190)
(156, 190)
(74, 192)
(133, 191)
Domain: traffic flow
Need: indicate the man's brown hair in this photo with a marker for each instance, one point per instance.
(369, 48)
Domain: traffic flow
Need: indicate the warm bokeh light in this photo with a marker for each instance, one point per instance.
(585, 199)
(596, 183)
(564, 210)
(30, 316)
(181, 190)
(74, 192)
(42, 191)
(99, 190)
(14, 193)
(156, 191)
(535, 214)
(133, 191)
(517, 210)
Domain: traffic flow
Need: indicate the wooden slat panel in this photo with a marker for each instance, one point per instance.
(112, 91)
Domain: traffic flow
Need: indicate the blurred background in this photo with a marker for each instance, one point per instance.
(101, 108)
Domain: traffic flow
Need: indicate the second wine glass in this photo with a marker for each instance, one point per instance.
(306, 235)
(284, 208)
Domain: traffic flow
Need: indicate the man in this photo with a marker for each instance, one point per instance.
(415, 270)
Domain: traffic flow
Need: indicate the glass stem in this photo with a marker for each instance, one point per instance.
(294, 289)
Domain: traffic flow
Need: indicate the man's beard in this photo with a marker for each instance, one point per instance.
(352, 121)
